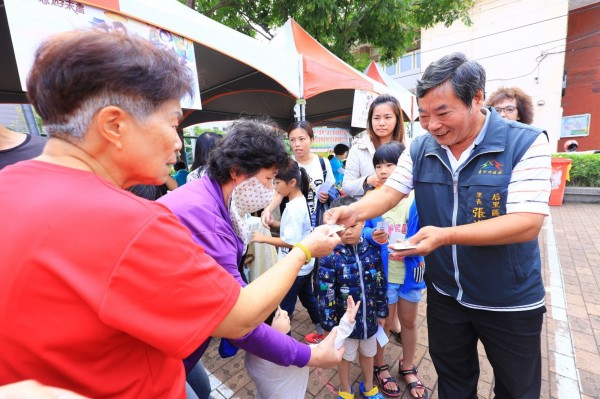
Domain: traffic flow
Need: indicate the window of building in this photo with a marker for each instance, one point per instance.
(407, 63)
(410, 61)
(391, 69)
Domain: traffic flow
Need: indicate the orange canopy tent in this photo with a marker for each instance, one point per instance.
(328, 83)
(376, 72)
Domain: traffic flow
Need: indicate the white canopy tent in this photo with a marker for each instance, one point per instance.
(237, 75)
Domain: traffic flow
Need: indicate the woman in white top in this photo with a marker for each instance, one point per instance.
(384, 124)
(301, 136)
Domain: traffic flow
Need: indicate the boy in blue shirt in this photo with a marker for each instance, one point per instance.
(354, 269)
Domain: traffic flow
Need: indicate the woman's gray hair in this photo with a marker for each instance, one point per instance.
(467, 77)
(79, 121)
(77, 73)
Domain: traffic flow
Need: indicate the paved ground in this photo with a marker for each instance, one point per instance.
(570, 245)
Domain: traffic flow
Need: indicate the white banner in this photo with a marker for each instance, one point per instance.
(32, 21)
(360, 107)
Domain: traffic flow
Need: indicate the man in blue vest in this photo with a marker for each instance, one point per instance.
(481, 185)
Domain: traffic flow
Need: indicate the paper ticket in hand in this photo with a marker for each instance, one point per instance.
(382, 226)
(381, 336)
(402, 246)
(324, 187)
(335, 228)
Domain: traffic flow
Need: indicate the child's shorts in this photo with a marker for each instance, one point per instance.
(394, 291)
(366, 347)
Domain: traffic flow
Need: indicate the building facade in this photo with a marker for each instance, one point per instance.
(549, 49)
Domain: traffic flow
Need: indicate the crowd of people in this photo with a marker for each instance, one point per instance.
(116, 285)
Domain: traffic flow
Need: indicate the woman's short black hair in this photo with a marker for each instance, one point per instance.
(388, 152)
(249, 146)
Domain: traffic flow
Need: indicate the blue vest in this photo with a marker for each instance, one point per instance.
(495, 277)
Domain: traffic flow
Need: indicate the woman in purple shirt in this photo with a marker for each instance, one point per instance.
(213, 209)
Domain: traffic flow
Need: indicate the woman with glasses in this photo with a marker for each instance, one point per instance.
(513, 104)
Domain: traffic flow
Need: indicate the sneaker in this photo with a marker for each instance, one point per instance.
(372, 394)
(314, 338)
(346, 395)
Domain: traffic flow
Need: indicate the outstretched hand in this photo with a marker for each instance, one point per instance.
(324, 354)
(427, 239)
(343, 215)
(320, 242)
(352, 308)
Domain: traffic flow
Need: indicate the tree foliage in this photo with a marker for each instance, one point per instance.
(391, 26)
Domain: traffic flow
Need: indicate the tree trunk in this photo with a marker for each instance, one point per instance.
(190, 3)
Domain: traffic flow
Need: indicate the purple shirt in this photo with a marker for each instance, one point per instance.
(200, 207)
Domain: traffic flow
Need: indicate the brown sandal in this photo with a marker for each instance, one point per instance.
(415, 384)
(381, 382)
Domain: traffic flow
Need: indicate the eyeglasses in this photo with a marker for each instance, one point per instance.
(507, 110)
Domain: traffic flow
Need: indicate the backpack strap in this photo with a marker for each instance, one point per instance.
(323, 168)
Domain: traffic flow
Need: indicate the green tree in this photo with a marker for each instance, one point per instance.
(391, 26)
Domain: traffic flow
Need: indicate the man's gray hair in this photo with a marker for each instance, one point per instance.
(467, 77)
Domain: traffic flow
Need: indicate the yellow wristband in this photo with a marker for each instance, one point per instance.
(304, 249)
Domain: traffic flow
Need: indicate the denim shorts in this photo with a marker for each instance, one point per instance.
(394, 291)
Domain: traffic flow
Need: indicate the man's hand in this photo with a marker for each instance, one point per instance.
(324, 354)
(428, 239)
(341, 215)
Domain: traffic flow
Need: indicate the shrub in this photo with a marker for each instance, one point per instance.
(585, 169)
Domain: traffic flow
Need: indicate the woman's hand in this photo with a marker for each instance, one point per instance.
(266, 218)
(320, 243)
(324, 354)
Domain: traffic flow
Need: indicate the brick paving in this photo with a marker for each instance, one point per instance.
(570, 246)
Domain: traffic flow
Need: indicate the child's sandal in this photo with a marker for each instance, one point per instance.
(415, 384)
(382, 382)
(372, 394)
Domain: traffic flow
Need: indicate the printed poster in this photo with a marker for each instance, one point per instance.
(32, 21)
(328, 137)
(360, 107)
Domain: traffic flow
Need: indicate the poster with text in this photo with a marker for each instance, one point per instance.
(33, 21)
(360, 107)
(328, 137)
(575, 125)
